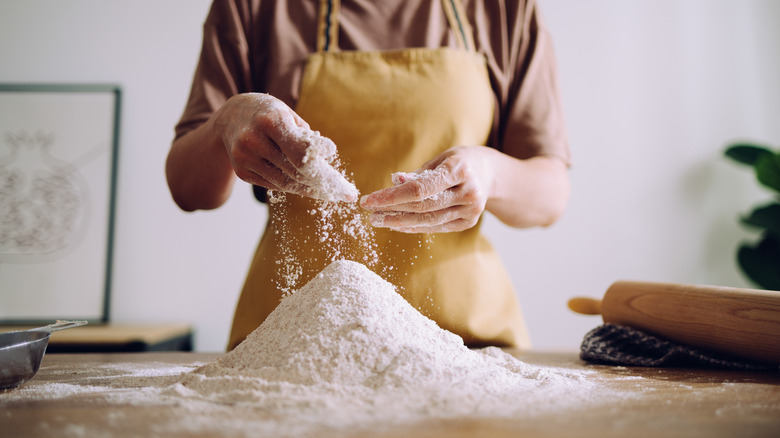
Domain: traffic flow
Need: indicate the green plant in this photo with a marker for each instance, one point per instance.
(760, 260)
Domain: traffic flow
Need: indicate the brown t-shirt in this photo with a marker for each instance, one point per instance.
(262, 45)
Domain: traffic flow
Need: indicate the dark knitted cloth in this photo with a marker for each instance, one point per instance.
(613, 344)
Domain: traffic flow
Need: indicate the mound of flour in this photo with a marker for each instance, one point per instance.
(347, 349)
(348, 326)
(344, 355)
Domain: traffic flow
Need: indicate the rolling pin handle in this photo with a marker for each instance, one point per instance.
(585, 306)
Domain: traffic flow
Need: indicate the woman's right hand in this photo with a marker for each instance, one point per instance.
(269, 145)
(259, 139)
(259, 134)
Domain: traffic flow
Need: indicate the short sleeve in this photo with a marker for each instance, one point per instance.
(523, 70)
(223, 67)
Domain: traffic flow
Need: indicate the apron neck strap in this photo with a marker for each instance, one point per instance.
(328, 25)
(459, 23)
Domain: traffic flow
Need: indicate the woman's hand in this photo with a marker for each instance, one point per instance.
(259, 139)
(446, 194)
(450, 192)
(269, 145)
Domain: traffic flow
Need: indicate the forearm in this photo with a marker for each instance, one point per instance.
(527, 193)
(198, 169)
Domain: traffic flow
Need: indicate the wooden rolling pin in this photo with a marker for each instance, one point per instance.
(740, 322)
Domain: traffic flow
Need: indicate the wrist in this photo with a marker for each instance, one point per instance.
(490, 168)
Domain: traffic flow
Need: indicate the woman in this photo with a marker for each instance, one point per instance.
(466, 91)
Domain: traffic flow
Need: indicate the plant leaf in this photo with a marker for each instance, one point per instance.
(766, 217)
(762, 262)
(746, 153)
(768, 170)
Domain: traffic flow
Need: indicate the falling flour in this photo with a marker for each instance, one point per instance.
(340, 224)
(341, 229)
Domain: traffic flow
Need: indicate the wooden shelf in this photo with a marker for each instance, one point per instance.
(105, 338)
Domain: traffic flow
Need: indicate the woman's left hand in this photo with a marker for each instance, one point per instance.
(447, 194)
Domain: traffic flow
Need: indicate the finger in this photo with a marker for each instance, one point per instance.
(315, 176)
(299, 121)
(274, 155)
(439, 201)
(449, 227)
(265, 174)
(256, 152)
(427, 184)
(303, 150)
(398, 178)
(288, 186)
(285, 130)
(435, 162)
(406, 220)
(258, 180)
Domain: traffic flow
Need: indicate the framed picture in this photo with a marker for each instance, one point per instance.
(58, 169)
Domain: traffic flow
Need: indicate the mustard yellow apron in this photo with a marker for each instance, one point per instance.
(391, 111)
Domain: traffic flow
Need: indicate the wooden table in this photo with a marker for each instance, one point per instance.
(667, 403)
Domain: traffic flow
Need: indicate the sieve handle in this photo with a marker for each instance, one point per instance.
(59, 325)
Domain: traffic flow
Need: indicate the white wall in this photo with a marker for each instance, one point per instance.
(653, 90)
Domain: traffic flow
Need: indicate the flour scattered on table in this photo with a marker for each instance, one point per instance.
(344, 353)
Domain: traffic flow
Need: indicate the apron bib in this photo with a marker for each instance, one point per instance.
(391, 111)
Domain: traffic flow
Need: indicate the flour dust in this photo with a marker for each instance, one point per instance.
(341, 231)
(340, 225)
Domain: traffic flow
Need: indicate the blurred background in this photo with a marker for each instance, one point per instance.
(653, 90)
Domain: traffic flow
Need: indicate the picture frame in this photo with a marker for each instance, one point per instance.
(59, 150)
